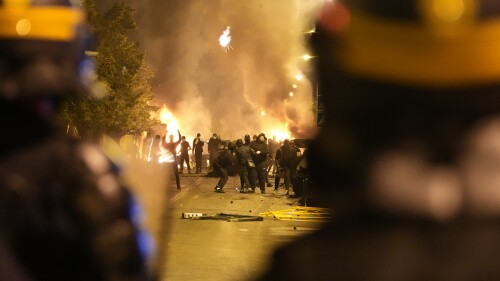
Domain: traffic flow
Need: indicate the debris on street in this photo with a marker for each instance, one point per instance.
(221, 216)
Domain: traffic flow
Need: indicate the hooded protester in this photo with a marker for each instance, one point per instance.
(198, 152)
(287, 164)
(213, 148)
(260, 153)
(221, 165)
(247, 166)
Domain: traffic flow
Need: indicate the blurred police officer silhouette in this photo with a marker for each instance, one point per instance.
(63, 213)
(409, 156)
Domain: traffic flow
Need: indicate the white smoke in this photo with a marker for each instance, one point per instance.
(211, 89)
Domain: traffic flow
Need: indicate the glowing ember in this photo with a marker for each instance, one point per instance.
(299, 77)
(294, 86)
(225, 38)
(291, 94)
(263, 113)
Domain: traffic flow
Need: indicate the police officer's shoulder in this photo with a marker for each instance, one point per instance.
(93, 158)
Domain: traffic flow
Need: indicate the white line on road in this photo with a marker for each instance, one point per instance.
(181, 194)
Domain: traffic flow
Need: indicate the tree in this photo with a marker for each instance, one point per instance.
(121, 65)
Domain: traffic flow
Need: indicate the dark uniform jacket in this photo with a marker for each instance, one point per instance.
(380, 247)
(65, 215)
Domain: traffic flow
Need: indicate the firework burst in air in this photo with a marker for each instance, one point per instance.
(225, 39)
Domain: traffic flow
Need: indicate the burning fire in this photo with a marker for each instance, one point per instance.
(167, 118)
(281, 135)
(171, 125)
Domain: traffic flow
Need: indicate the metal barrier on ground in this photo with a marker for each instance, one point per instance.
(298, 213)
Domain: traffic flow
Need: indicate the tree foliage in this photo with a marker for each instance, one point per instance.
(120, 64)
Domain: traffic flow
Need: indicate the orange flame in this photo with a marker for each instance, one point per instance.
(167, 118)
(281, 135)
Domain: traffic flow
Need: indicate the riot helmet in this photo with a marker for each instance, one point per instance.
(411, 76)
(42, 46)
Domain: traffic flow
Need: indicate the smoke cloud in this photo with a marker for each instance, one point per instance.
(237, 90)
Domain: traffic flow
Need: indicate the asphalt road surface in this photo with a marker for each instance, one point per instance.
(200, 249)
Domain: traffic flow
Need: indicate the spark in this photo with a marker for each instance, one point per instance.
(299, 77)
(263, 113)
(225, 38)
(291, 94)
(307, 57)
(294, 86)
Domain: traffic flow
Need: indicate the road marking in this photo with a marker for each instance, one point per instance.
(181, 194)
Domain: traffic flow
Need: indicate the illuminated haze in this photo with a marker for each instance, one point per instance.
(212, 89)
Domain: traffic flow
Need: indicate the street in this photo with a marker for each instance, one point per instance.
(217, 249)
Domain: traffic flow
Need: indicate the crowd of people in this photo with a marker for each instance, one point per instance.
(261, 158)
(255, 159)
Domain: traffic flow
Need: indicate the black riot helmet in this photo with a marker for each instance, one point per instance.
(41, 48)
(410, 75)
